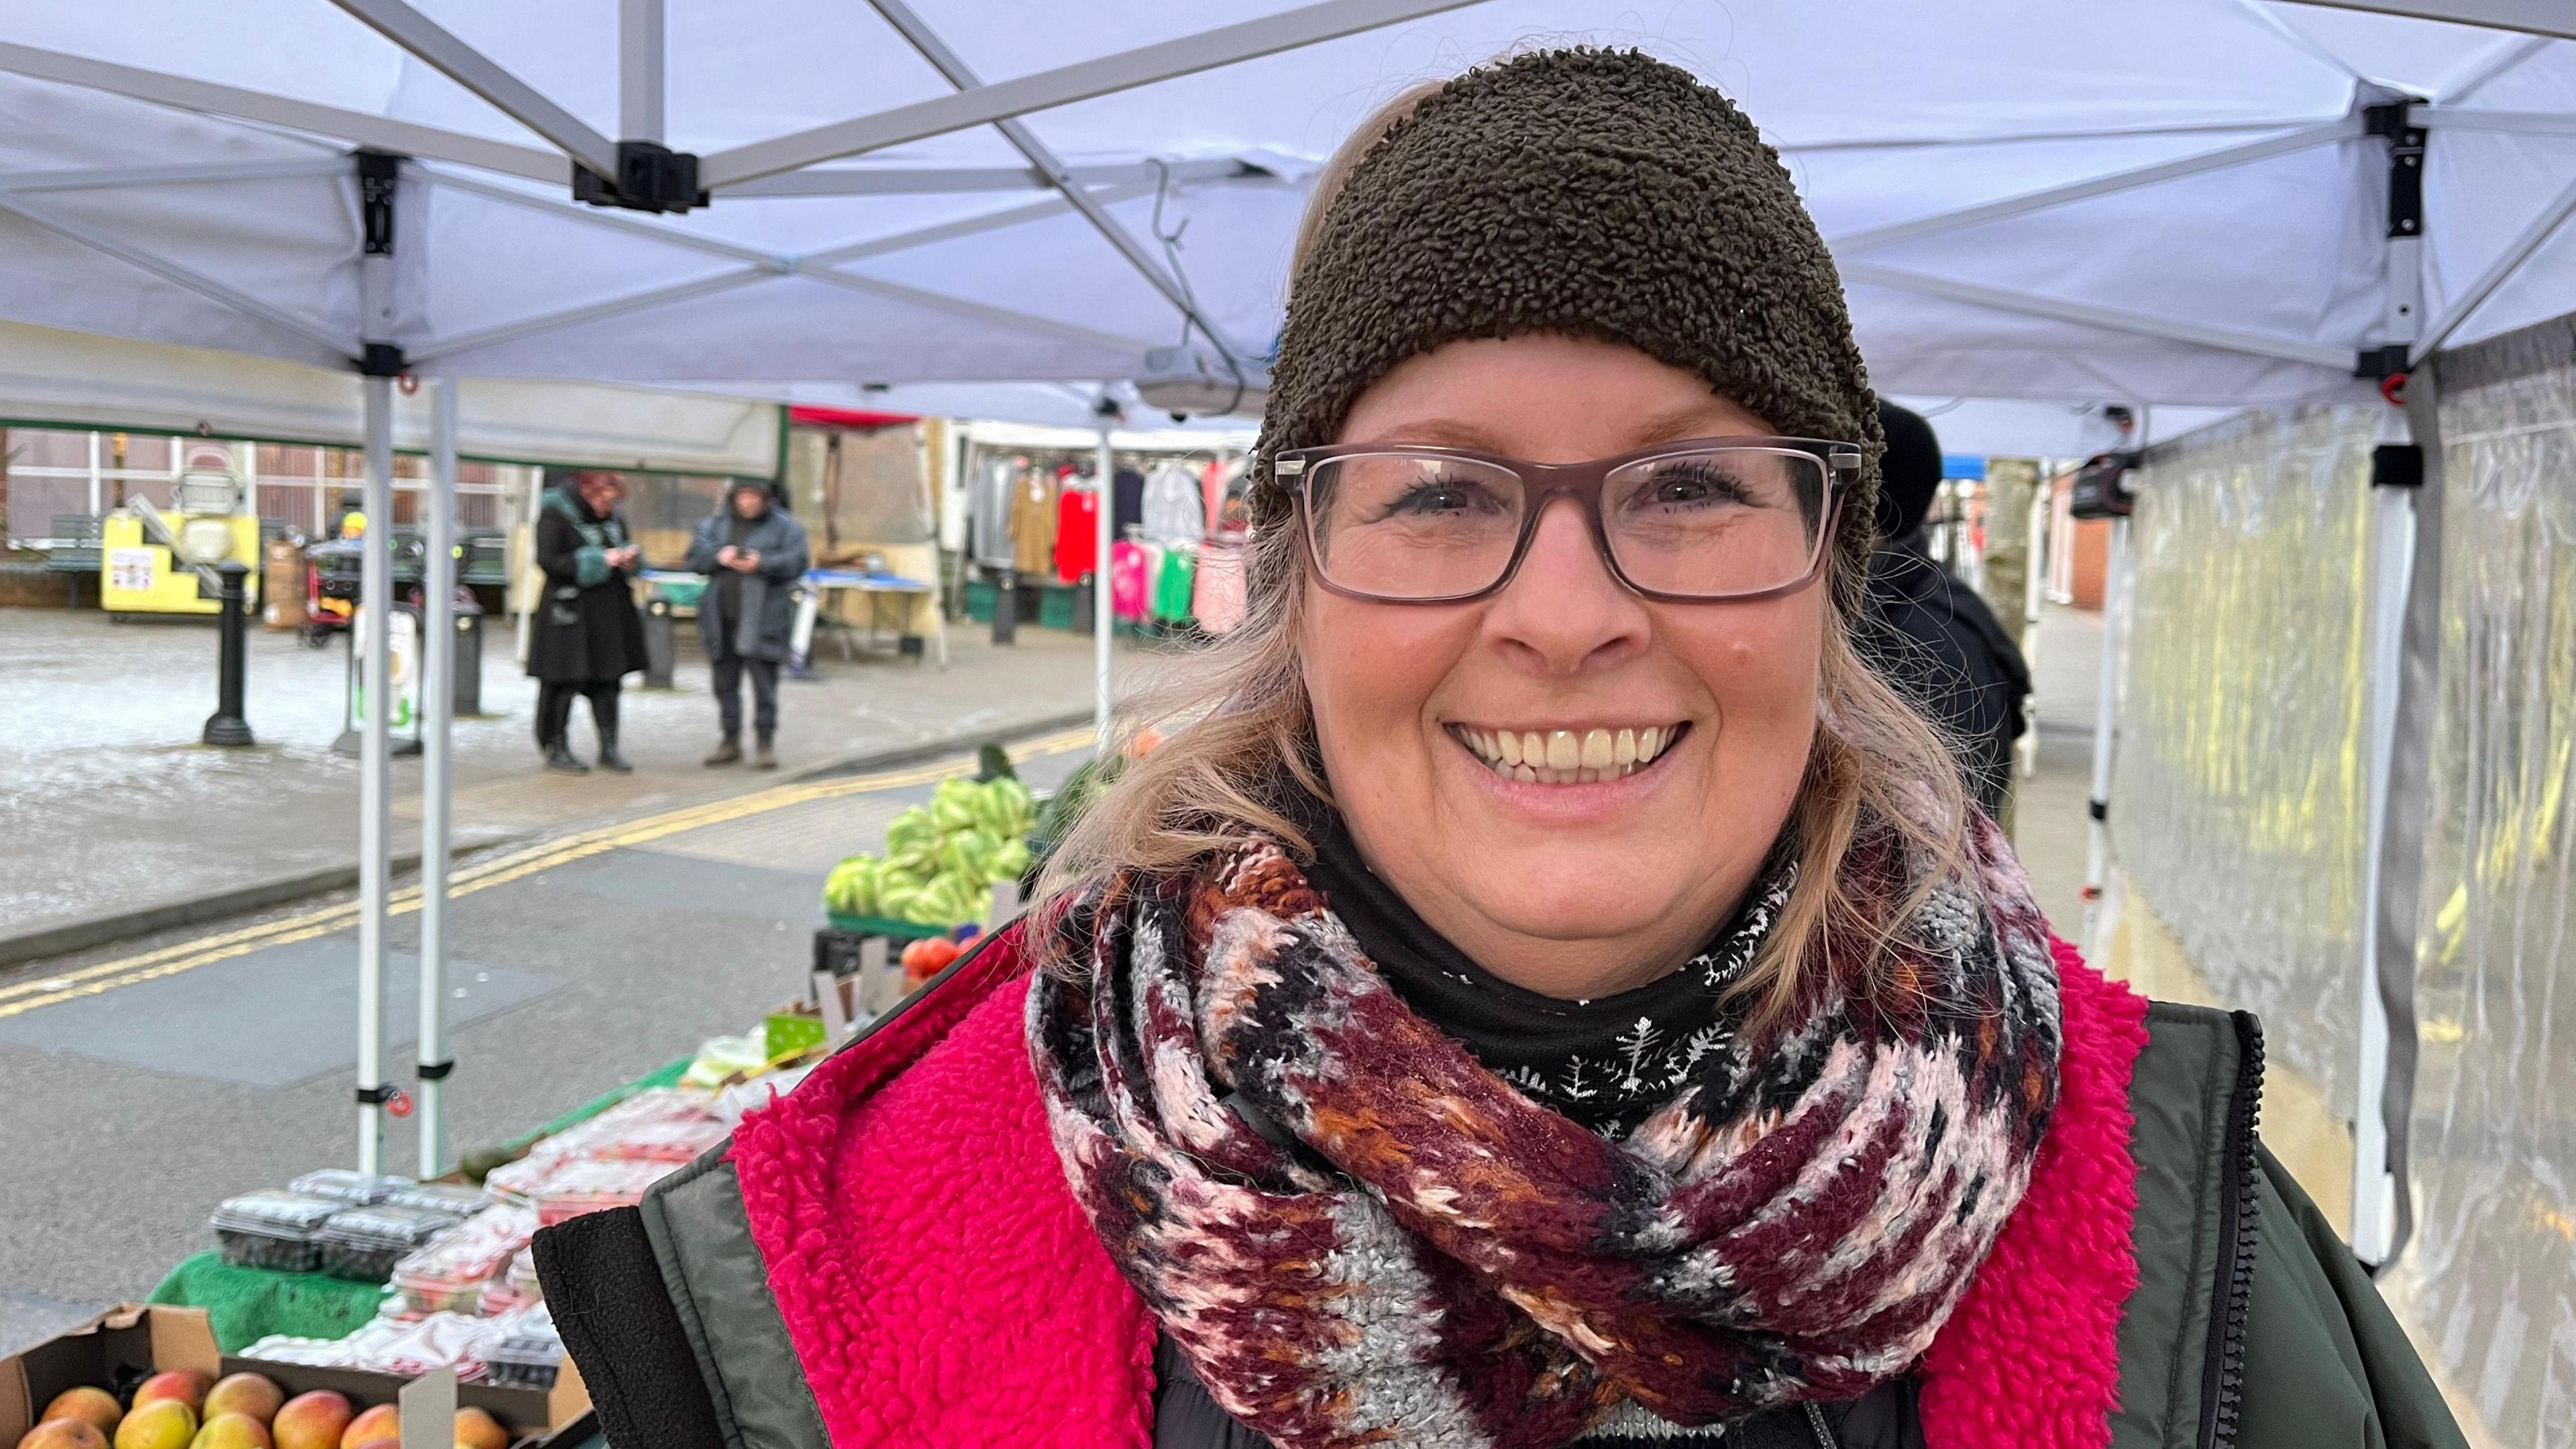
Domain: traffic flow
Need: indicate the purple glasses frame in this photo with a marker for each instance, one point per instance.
(1582, 482)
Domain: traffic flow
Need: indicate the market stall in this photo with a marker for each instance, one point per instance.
(1030, 499)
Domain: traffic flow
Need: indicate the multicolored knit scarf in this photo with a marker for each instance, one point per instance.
(1359, 1235)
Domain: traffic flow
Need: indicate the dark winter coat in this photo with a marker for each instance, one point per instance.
(890, 1256)
(768, 610)
(1932, 636)
(587, 630)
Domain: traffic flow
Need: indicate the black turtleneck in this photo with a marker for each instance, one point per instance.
(1607, 1062)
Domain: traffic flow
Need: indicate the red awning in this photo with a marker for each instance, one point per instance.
(847, 418)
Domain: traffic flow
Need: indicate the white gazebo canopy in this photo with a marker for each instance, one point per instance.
(2169, 201)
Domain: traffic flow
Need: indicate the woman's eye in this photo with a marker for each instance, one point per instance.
(1684, 485)
(1432, 496)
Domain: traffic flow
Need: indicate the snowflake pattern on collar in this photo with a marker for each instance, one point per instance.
(1648, 1061)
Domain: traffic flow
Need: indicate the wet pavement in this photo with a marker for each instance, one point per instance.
(217, 1060)
(113, 805)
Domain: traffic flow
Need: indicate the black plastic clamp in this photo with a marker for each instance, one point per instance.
(2385, 361)
(376, 1096)
(2392, 123)
(650, 177)
(437, 1071)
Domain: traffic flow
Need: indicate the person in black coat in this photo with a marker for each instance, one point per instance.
(588, 635)
(1929, 634)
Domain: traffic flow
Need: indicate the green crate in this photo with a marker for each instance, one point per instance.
(980, 598)
(1056, 606)
(892, 930)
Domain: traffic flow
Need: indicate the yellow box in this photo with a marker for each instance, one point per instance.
(138, 576)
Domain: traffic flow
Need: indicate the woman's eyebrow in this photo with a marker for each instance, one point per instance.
(1698, 420)
(1695, 420)
(1441, 432)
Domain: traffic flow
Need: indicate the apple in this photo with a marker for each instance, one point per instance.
(158, 1424)
(187, 1386)
(381, 1422)
(64, 1434)
(476, 1429)
(311, 1421)
(95, 1407)
(232, 1431)
(254, 1394)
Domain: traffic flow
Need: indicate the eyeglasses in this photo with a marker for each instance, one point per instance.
(1689, 522)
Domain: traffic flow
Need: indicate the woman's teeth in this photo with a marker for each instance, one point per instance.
(1567, 757)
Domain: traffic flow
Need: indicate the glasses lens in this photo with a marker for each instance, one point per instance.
(1718, 522)
(1399, 525)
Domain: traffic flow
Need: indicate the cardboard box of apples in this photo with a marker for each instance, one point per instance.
(150, 1378)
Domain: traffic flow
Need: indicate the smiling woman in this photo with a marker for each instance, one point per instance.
(1545, 989)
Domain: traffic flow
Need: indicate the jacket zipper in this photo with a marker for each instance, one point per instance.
(2240, 1177)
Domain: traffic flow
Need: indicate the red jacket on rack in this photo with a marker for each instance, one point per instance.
(1077, 534)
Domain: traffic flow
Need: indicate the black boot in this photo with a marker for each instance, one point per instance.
(609, 759)
(561, 760)
(725, 753)
(766, 758)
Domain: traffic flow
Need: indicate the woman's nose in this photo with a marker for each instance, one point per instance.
(1563, 612)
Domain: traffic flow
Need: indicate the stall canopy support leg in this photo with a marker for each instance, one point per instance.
(1103, 626)
(2396, 473)
(375, 770)
(379, 179)
(438, 702)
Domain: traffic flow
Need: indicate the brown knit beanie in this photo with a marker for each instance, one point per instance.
(1591, 193)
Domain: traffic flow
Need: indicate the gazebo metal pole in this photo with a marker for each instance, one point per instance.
(375, 768)
(438, 701)
(1103, 627)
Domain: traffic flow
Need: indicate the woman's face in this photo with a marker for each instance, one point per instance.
(1577, 889)
(600, 493)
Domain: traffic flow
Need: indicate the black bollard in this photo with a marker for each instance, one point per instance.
(1006, 607)
(226, 725)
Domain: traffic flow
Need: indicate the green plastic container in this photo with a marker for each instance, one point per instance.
(980, 598)
(1055, 607)
(891, 929)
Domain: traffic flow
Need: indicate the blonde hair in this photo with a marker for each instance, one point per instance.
(1239, 746)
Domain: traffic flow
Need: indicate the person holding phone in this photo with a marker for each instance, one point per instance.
(588, 636)
(752, 554)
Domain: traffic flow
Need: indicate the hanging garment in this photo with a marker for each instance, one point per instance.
(1175, 507)
(1173, 584)
(1218, 599)
(1033, 524)
(1127, 493)
(1077, 534)
(1127, 580)
(1212, 490)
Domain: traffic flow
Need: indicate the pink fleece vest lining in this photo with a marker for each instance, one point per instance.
(941, 1286)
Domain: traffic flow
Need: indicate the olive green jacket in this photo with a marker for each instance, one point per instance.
(2252, 1324)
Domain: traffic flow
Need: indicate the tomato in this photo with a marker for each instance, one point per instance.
(927, 958)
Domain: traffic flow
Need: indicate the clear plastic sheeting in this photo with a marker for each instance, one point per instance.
(2490, 1281)
(2238, 809)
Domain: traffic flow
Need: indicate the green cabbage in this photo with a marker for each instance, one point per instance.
(1010, 862)
(912, 827)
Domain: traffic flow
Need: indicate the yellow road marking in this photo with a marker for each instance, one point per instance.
(483, 875)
